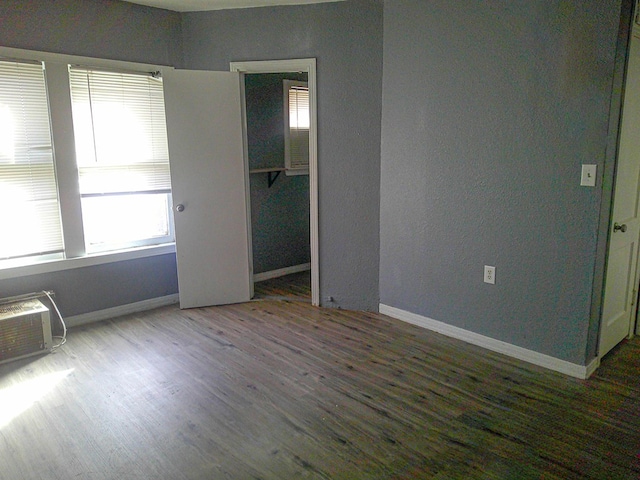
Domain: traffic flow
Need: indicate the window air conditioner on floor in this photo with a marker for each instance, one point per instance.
(25, 330)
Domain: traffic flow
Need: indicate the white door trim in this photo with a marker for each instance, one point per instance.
(300, 65)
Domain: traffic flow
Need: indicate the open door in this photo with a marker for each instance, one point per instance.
(621, 280)
(206, 151)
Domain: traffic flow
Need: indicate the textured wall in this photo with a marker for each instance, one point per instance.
(280, 213)
(94, 28)
(89, 289)
(101, 29)
(346, 40)
(489, 108)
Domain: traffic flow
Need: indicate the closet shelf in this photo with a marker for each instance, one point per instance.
(270, 171)
(267, 170)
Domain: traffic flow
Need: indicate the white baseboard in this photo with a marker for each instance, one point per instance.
(536, 358)
(281, 272)
(592, 366)
(121, 310)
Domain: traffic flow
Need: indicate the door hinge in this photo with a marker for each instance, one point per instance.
(633, 297)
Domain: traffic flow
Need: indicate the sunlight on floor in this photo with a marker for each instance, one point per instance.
(18, 398)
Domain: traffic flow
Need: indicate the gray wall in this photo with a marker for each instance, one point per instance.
(346, 40)
(89, 289)
(489, 109)
(102, 29)
(280, 213)
(105, 29)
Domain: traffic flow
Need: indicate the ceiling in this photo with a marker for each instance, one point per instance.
(200, 5)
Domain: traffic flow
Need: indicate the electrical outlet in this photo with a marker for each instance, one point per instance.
(489, 274)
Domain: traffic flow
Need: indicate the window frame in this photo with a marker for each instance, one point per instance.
(290, 170)
(31, 166)
(113, 79)
(61, 123)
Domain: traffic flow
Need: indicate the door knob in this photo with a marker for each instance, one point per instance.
(180, 208)
(622, 228)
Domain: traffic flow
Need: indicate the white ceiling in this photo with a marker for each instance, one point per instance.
(200, 5)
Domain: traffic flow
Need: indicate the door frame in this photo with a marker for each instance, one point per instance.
(307, 65)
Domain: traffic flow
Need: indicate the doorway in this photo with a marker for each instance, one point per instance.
(270, 71)
(278, 191)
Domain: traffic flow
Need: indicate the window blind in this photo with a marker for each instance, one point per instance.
(120, 132)
(30, 213)
(298, 127)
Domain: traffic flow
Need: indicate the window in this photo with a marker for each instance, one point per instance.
(296, 127)
(30, 214)
(120, 178)
(122, 156)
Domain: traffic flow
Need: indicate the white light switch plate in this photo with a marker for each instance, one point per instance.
(588, 178)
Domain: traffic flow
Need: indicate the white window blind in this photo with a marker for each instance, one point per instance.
(297, 127)
(120, 132)
(121, 149)
(30, 213)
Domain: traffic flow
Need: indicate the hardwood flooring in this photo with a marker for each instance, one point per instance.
(296, 286)
(278, 389)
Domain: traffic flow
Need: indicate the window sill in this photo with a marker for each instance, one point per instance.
(9, 269)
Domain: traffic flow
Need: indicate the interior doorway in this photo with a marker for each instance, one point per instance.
(278, 187)
(269, 72)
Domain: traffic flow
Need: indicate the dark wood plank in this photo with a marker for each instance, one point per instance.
(277, 389)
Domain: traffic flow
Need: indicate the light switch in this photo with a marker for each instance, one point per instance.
(588, 178)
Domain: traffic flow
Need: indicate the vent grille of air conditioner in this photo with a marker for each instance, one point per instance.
(25, 330)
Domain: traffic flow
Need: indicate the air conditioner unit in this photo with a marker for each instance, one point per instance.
(25, 330)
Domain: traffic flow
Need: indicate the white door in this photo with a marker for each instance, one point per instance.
(205, 133)
(621, 279)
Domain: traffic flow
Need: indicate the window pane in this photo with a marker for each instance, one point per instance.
(297, 126)
(30, 216)
(120, 132)
(121, 220)
(122, 156)
(299, 107)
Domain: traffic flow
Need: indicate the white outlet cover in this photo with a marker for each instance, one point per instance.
(489, 274)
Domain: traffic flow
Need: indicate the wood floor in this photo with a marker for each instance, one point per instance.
(278, 389)
(296, 286)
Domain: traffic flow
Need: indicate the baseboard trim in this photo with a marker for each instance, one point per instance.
(592, 366)
(281, 272)
(530, 356)
(121, 310)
